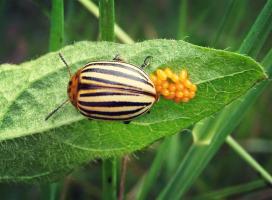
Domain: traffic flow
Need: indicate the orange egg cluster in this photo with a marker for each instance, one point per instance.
(172, 86)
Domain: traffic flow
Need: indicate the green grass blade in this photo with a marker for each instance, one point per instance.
(109, 179)
(201, 17)
(267, 62)
(106, 30)
(256, 32)
(249, 159)
(182, 19)
(119, 32)
(210, 133)
(152, 174)
(223, 22)
(106, 20)
(172, 154)
(254, 52)
(226, 193)
(56, 39)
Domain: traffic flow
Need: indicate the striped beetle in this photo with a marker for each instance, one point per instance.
(110, 90)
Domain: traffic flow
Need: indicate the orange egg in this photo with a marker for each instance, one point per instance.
(171, 95)
(186, 93)
(193, 87)
(168, 72)
(165, 84)
(179, 94)
(179, 86)
(183, 75)
(174, 78)
(161, 75)
(159, 82)
(165, 92)
(158, 88)
(172, 87)
(188, 83)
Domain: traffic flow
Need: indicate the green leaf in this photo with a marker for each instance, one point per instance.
(34, 149)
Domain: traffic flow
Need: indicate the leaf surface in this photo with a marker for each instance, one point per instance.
(34, 149)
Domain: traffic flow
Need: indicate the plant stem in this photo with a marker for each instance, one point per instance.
(106, 20)
(106, 30)
(249, 159)
(56, 40)
(54, 190)
(123, 178)
(109, 179)
(182, 19)
(119, 32)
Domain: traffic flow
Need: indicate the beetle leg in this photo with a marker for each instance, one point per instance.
(117, 58)
(126, 122)
(146, 61)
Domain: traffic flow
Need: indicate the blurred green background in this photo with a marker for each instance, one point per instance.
(24, 35)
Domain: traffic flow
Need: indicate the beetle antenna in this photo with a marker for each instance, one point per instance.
(68, 68)
(146, 61)
(55, 110)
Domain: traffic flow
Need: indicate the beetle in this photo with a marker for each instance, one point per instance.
(110, 90)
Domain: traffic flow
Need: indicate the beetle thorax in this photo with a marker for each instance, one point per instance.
(72, 88)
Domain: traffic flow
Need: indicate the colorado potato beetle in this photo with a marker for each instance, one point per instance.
(110, 90)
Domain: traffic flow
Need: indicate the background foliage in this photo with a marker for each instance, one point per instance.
(24, 29)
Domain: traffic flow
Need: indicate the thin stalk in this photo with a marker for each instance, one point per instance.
(226, 193)
(249, 159)
(223, 22)
(119, 32)
(216, 129)
(123, 178)
(152, 174)
(54, 191)
(56, 39)
(106, 30)
(109, 179)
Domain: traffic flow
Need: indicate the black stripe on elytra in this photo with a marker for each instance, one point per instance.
(90, 86)
(113, 103)
(112, 119)
(118, 74)
(117, 113)
(119, 65)
(94, 94)
(101, 80)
